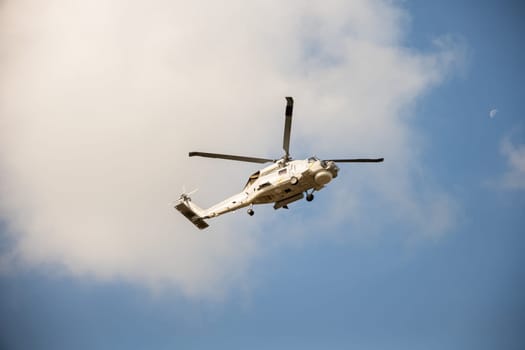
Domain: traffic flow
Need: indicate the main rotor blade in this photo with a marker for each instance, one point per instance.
(230, 157)
(358, 160)
(287, 126)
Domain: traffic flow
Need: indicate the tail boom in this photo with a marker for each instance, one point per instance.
(197, 215)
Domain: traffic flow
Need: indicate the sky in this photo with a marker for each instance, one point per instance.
(100, 102)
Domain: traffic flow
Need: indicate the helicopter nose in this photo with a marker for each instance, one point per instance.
(323, 177)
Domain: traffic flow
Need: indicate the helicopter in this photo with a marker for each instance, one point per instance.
(281, 183)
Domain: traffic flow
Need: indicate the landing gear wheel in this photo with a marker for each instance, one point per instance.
(294, 180)
(309, 197)
(251, 212)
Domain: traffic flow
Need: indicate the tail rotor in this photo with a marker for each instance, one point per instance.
(184, 197)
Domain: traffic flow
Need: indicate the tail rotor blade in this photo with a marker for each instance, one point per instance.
(192, 192)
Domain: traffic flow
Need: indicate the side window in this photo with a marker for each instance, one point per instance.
(282, 171)
(252, 179)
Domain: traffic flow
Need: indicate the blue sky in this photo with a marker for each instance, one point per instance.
(439, 268)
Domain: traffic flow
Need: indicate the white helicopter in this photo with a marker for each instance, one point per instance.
(283, 182)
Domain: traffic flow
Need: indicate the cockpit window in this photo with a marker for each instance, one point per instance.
(312, 159)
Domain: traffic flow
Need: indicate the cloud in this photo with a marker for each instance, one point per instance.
(514, 178)
(101, 101)
(493, 112)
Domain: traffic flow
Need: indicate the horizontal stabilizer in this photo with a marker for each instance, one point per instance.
(188, 212)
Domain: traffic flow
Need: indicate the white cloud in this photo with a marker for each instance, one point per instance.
(101, 101)
(514, 178)
(493, 112)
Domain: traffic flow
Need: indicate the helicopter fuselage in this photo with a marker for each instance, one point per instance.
(281, 183)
